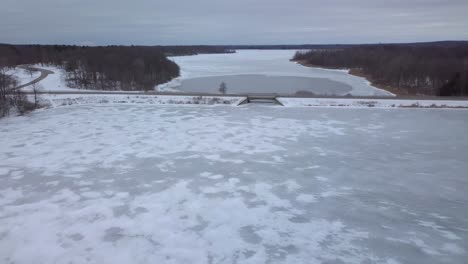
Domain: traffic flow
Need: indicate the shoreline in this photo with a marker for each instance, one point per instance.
(357, 73)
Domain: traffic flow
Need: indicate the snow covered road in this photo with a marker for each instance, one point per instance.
(222, 184)
(43, 74)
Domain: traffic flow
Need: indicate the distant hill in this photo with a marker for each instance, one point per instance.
(446, 44)
(208, 49)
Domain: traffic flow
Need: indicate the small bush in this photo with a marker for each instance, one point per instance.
(11, 99)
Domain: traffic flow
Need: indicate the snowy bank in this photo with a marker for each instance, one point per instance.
(55, 100)
(53, 82)
(379, 103)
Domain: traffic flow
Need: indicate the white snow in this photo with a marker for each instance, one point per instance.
(22, 76)
(56, 82)
(134, 183)
(53, 82)
(306, 198)
(264, 62)
(377, 103)
(57, 100)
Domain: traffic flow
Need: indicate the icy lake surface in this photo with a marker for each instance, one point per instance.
(263, 71)
(253, 184)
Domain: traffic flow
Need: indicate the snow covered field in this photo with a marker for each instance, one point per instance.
(221, 184)
(22, 76)
(53, 82)
(262, 62)
(58, 100)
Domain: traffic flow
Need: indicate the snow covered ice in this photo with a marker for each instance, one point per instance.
(223, 184)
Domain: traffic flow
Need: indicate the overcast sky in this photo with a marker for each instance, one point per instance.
(153, 22)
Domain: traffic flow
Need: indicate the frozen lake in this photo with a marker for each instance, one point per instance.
(221, 184)
(263, 71)
(264, 84)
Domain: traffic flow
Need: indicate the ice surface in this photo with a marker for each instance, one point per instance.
(256, 84)
(263, 62)
(251, 184)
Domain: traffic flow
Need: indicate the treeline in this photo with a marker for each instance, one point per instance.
(445, 44)
(105, 68)
(194, 50)
(404, 68)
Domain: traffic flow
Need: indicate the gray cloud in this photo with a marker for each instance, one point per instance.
(151, 22)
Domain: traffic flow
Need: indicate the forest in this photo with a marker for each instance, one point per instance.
(404, 69)
(106, 68)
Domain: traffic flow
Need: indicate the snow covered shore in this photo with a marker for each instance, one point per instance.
(377, 103)
(56, 100)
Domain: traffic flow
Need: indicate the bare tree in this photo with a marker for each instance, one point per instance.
(30, 71)
(223, 88)
(35, 88)
(7, 82)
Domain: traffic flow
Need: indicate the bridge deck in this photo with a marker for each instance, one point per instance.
(260, 99)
